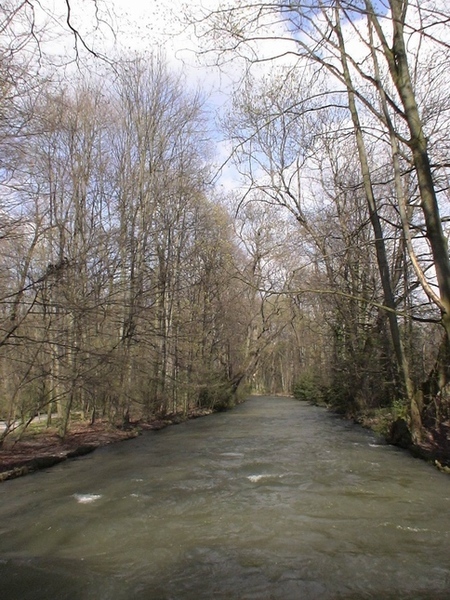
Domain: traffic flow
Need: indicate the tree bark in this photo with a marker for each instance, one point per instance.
(383, 265)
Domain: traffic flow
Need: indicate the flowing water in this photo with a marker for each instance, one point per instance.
(275, 500)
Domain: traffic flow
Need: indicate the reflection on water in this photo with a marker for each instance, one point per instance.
(274, 500)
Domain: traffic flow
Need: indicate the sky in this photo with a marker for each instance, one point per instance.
(146, 25)
(150, 25)
(119, 29)
(125, 27)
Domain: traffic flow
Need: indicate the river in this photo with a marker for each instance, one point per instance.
(275, 500)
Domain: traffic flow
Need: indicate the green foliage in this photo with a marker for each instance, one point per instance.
(217, 396)
(399, 410)
(340, 399)
(384, 417)
(308, 389)
(380, 419)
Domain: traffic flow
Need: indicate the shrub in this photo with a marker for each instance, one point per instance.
(218, 397)
(307, 389)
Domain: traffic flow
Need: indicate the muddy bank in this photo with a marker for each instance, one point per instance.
(434, 445)
(44, 449)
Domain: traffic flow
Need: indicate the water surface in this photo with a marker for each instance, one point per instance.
(275, 500)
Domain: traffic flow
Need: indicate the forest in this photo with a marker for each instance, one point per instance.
(133, 285)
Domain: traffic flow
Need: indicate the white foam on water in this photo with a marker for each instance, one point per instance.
(87, 498)
(416, 529)
(232, 454)
(405, 528)
(256, 478)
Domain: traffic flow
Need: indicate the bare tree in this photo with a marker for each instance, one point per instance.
(367, 60)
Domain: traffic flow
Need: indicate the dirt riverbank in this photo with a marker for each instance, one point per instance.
(433, 447)
(43, 449)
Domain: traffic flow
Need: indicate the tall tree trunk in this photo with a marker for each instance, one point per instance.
(382, 261)
(397, 60)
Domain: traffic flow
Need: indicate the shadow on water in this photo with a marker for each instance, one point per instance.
(205, 574)
(26, 579)
(60, 579)
(214, 574)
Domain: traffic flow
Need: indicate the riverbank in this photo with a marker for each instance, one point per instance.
(44, 448)
(434, 446)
